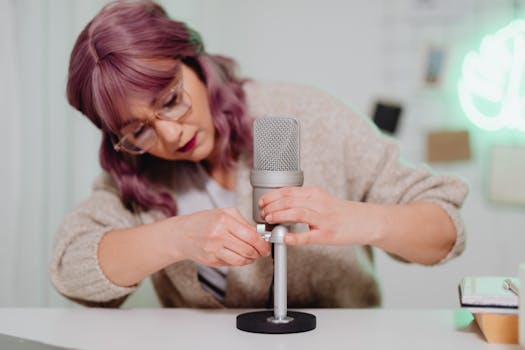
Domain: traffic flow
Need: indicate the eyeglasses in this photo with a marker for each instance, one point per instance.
(140, 135)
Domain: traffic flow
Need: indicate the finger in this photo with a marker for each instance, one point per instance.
(246, 233)
(233, 259)
(302, 215)
(290, 203)
(217, 263)
(240, 247)
(282, 192)
(310, 237)
(251, 238)
(237, 215)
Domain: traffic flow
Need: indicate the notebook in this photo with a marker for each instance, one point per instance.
(486, 293)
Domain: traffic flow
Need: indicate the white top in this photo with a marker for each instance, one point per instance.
(196, 191)
(216, 329)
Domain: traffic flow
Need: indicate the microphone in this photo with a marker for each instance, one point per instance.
(276, 158)
(276, 164)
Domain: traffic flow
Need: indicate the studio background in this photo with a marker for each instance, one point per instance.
(359, 51)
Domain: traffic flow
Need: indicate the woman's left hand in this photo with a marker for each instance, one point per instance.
(332, 221)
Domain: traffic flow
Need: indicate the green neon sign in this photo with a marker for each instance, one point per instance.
(492, 88)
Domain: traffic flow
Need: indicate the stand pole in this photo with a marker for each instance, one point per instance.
(280, 291)
(280, 321)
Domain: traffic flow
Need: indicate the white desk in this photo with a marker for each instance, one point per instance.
(215, 329)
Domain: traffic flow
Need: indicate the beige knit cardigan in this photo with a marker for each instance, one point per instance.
(341, 152)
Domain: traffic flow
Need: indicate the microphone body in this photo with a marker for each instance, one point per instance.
(276, 165)
(276, 158)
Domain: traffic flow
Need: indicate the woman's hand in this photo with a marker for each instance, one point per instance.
(219, 237)
(420, 232)
(332, 221)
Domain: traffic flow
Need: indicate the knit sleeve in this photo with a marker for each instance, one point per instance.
(377, 174)
(75, 270)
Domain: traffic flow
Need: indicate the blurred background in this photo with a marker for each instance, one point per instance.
(443, 77)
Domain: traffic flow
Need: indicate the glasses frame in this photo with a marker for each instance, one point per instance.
(119, 146)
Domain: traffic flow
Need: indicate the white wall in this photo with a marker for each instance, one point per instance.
(355, 50)
(50, 157)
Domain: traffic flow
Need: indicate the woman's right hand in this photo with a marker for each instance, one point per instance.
(218, 237)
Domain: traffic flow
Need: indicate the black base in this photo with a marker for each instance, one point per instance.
(257, 322)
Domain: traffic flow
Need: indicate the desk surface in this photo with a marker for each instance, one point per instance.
(215, 329)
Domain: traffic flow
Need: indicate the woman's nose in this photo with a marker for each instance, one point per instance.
(169, 132)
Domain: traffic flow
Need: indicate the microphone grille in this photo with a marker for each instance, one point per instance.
(276, 144)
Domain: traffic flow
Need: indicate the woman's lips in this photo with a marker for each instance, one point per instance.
(189, 145)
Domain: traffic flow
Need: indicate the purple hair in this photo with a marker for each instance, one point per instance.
(114, 58)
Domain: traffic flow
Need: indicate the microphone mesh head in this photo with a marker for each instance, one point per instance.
(276, 144)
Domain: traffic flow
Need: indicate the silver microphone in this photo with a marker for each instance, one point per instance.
(275, 164)
(276, 154)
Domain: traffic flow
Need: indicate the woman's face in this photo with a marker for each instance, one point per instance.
(192, 137)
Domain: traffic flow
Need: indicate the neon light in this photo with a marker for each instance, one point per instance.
(491, 88)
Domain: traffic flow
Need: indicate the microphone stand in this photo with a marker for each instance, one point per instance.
(281, 320)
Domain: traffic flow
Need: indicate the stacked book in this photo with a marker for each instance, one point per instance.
(494, 303)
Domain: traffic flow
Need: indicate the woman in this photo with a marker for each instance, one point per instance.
(176, 150)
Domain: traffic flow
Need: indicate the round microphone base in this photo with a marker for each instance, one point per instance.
(264, 322)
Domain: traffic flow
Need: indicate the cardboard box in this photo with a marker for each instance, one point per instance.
(501, 329)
